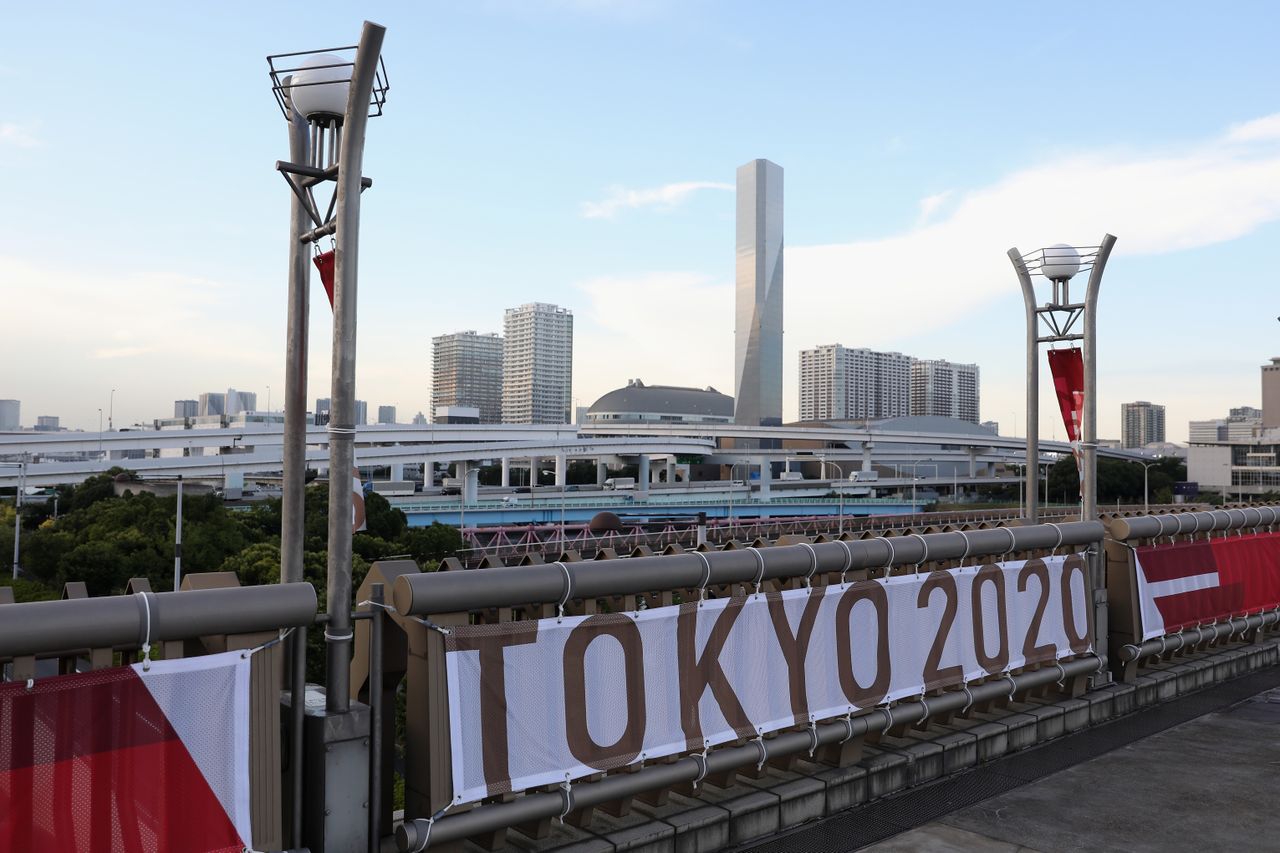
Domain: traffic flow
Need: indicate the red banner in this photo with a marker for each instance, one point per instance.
(1067, 367)
(1192, 583)
(324, 263)
(127, 759)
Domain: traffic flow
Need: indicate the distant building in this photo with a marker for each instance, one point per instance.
(212, 403)
(322, 412)
(466, 370)
(942, 388)
(537, 364)
(386, 414)
(1141, 423)
(186, 408)
(456, 415)
(758, 295)
(1271, 394)
(994, 426)
(838, 383)
(362, 413)
(640, 403)
(420, 419)
(240, 401)
(1245, 413)
(10, 415)
(47, 423)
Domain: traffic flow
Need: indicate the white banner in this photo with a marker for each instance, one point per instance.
(539, 702)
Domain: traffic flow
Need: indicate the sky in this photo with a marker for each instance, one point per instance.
(583, 152)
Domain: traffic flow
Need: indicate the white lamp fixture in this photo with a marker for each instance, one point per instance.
(1060, 262)
(317, 90)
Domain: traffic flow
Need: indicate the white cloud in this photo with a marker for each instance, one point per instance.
(1258, 130)
(664, 197)
(930, 205)
(21, 136)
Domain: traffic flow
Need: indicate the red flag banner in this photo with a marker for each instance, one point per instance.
(127, 759)
(1067, 367)
(1193, 583)
(324, 263)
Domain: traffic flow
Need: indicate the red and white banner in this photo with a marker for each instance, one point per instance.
(1067, 367)
(541, 702)
(1192, 583)
(127, 760)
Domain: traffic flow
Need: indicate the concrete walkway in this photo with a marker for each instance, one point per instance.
(1204, 785)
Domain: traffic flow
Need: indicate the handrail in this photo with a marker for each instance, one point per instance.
(1152, 526)
(44, 627)
(448, 592)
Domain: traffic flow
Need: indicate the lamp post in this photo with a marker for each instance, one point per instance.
(17, 510)
(822, 460)
(733, 467)
(915, 463)
(1146, 466)
(1059, 264)
(111, 411)
(327, 101)
(100, 457)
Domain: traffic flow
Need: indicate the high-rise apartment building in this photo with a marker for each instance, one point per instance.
(186, 408)
(212, 403)
(944, 388)
(386, 414)
(466, 370)
(1271, 394)
(1141, 423)
(239, 402)
(537, 364)
(758, 296)
(10, 415)
(838, 383)
(48, 423)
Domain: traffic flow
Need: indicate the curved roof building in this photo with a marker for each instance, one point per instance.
(640, 403)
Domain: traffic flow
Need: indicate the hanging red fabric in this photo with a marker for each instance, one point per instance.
(324, 263)
(1067, 367)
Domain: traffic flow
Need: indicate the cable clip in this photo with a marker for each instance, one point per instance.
(813, 564)
(701, 760)
(568, 588)
(888, 566)
(967, 546)
(968, 697)
(144, 597)
(813, 736)
(566, 792)
(426, 839)
(764, 752)
(1062, 673)
(1053, 552)
(706, 576)
(848, 726)
(760, 563)
(848, 560)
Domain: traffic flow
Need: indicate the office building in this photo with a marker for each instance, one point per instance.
(1271, 394)
(838, 383)
(322, 412)
(47, 423)
(239, 402)
(10, 415)
(466, 370)
(419, 419)
(212, 403)
(1141, 423)
(758, 296)
(386, 414)
(994, 426)
(537, 364)
(186, 408)
(945, 389)
(1245, 413)
(456, 415)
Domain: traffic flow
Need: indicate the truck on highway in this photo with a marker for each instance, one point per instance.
(620, 483)
(865, 476)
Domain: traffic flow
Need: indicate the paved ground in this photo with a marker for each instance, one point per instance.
(1207, 784)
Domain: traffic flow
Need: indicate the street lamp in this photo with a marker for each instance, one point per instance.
(822, 460)
(111, 411)
(100, 434)
(733, 467)
(326, 98)
(1059, 264)
(1146, 503)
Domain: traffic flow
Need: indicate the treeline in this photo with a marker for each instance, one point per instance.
(105, 540)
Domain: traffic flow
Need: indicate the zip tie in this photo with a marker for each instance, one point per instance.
(967, 545)
(566, 789)
(284, 632)
(760, 563)
(1062, 672)
(701, 760)
(764, 752)
(1013, 685)
(1013, 541)
(426, 839)
(848, 727)
(924, 704)
(333, 430)
(888, 717)
(568, 588)
(337, 638)
(146, 638)
(968, 694)
(848, 560)
(813, 737)
(892, 555)
(706, 577)
(381, 604)
(813, 563)
(427, 623)
(925, 555)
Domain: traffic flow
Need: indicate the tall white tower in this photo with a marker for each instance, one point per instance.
(758, 287)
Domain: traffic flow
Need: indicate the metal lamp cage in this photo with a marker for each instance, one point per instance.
(284, 65)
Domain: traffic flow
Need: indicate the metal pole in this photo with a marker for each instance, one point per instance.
(294, 440)
(337, 633)
(1146, 501)
(1089, 438)
(17, 514)
(1031, 470)
(376, 600)
(297, 710)
(177, 540)
(111, 412)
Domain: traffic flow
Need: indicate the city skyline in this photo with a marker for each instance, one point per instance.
(627, 215)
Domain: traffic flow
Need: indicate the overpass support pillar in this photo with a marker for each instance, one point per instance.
(642, 480)
(470, 483)
(562, 464)
(506, 472)
(766, 478)
(866, 456)
(533, 472)
(973, 462)
(671, 470)
(397, 471)
(602, 472)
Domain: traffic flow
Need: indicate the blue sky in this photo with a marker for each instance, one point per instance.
(577, 153)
